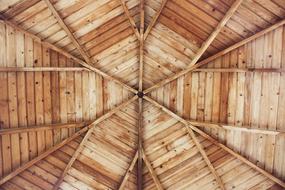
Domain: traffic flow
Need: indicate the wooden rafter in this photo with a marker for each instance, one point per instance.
(152, 172)
(68, 55)
(42, 69)
(131, 19)
(141, 45)
(68, 32)
(213, 57)
(140, 146)
(128, 172)
(205, 157)
(215, 33)
(73, 158)
(65, 141)
(240, 70)
(215, 142)
(234, 128)
(42, 128)
(154, 20)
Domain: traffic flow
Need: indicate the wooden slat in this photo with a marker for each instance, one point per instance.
(73, 158)
(42, 69)
(154, 20)
(213, 57)
(152, 172)
(130, 18)
(68, 55)
(140, 146)
(215, 142)
(42, 128)
(128, 172)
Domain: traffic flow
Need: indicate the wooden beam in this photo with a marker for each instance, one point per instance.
(68, 32)
(213, 57)
(152, 172)
(215, 142)
(234, 128)
(140, 146)
(42, 128)
(128, 172)
(130, 18)
(154, 20)
(240, 70)
(205, 157)
(65, 141)
(216, 32)
(73, 158)
(42, 69)
(141, 45)
(68, 55)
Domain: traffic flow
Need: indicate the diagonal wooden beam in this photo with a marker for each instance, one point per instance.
(73, 158)
(241, 70)
(68, 55)
(128, 172)
(215, 142)
(215, 33)
(64, 142)
(152, 172)
(234, 128)
(42, 69)
(131, 19)
(154, 20)
(68, 32)
(205, 157)
(42, 128)
(213, 57)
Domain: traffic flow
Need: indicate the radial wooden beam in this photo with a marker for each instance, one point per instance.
(240, 70)
(140, 146)
(42, 69)
(73, 158)
(42, 128)
(68, 55)
(205, 157)
(234, 128)
(215, 142)
(152, 172)
(154, 20)
(68, 32)
(131, 19)
(128, 172)
(216, 32)
(65, 141)
(141, 45)
(213, 57)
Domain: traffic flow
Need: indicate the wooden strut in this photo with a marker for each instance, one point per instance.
(213, 57)
(128, 172)
(130, 18)
(215, 142)
(68, 55)
(42, 69)
(140, 147)
(65, 141)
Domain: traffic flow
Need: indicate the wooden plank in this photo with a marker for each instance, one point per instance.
(140, 146)
(128, 172)
(141, 51)
(154, 20)
(131, 19)
(215, 142)
(213, 57)
(152, 172)
(41, 128)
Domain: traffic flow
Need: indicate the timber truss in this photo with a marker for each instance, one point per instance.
(141, 95)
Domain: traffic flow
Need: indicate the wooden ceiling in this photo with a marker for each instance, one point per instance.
(142, 94)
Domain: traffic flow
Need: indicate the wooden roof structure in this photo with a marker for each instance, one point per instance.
(142, 94)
